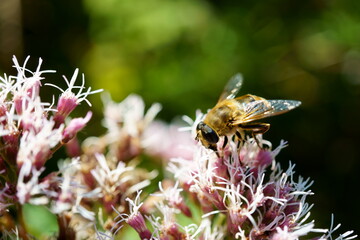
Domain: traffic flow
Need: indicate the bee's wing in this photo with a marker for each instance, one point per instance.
(232, 87)
(260, 109)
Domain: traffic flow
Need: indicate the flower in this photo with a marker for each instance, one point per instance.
(167, 141)
(126, 123)
(74, 127)
(65, 189)
(238, 191)
(172, 195)
(30, 135)
(167, 227)
(28, 189)
(128, 118)
(243, 183)
(68, 100)
(26, 88)
(35, 147)
(135, 219)
(111, 181)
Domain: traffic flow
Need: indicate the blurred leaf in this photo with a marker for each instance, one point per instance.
(39, 221)
(127, 233)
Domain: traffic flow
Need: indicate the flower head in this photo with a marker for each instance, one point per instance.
(135, 219)
(172, 195)
(237, 190)
(69, 100)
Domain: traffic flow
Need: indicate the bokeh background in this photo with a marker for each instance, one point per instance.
(181, 53)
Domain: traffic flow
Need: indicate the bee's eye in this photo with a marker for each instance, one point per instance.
(208, 133)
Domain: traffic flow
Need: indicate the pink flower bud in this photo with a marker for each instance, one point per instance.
(74, 127)
(214, 197)
(73, 148)
(205, 203)
(11, 143)
(236, 218)
(137, 222)
(66, 104)
(183, 208)
(41, 157)
(18, 102)
(173, 231)
(34, 87)
(264, 158)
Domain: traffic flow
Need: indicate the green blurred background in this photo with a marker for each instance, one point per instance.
(181, 53)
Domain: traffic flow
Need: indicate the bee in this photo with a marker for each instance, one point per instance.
(235, 116)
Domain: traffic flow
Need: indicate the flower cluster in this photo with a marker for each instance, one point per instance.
(98, 176)
(105, 189)
(240, 191)
(31, 131)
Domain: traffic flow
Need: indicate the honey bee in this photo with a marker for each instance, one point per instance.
(235, 116)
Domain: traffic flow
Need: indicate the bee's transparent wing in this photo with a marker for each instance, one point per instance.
(260, 109)
(232, 87)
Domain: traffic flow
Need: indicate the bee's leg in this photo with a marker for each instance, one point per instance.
(256, 128)
(214, 148)
(257, 141)
(238, 134)
(241, 137)
(225, 142)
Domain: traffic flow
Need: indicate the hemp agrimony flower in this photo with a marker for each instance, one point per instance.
(30, 135)
(106, 188)
(242, 192)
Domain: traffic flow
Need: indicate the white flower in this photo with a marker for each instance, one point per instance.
(26, 189)
(82, 93)
(35, 147)
(69, 189)
(172, 195)
(27, 86)
(128, 117)
(285, 234)
(110, 179)
(167, 141)
(135, 219)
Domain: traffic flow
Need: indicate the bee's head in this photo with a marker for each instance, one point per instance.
(207, 136)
